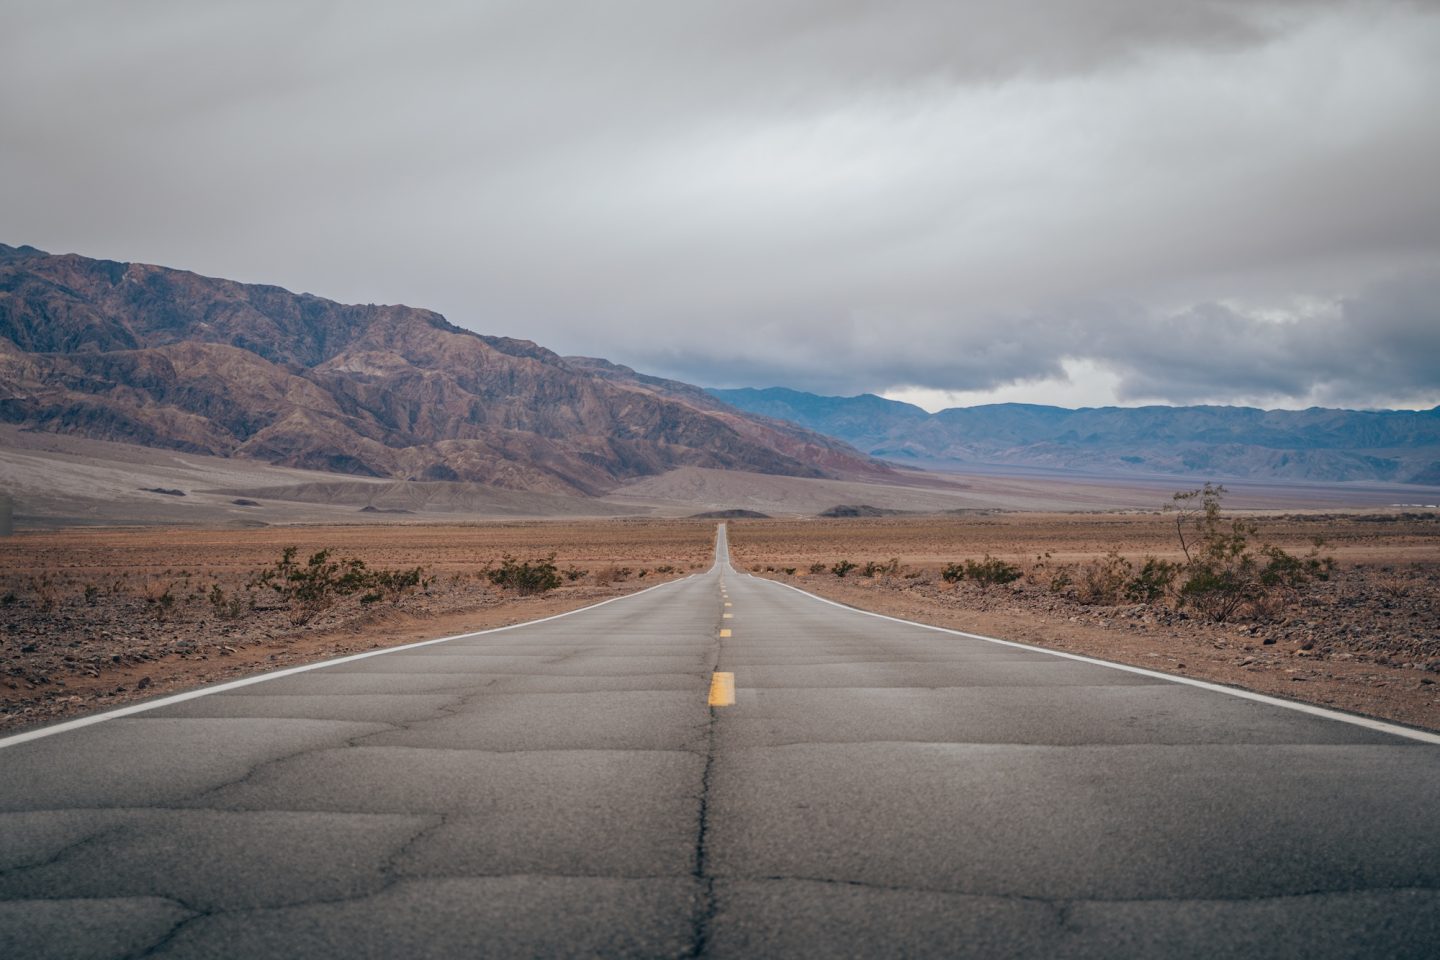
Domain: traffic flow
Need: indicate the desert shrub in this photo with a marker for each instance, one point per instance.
(9, 600)
(1152, 582)
(1285, 570)
(841, 568)
(665, 568)
(1394, 588)
(47, 593)
(817, 567)
(574, 573)
(1061, 580)
(227, 607)
(991, 571)
(308, 588)
(1225, 571)
(160, 599)
(527, 577)
(92, 593)
(789, 571)
(952, 572)
(318, 579)
(1103, 581)
(396, 584)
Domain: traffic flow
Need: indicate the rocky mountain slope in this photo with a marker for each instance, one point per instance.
(167, 358)
(1314, 445)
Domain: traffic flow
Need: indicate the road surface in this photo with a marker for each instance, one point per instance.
(860, 787)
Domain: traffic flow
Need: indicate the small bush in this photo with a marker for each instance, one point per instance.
(1152, 582)
(317, 584)
(817, 568)
(47, 594)
(991, 571)
(952, 572)
(160, 599)
(875, 568)
(1224, 572)
(227, 607)
(573, 573)
(841, 568)
(527, 577)
(1103, 581)
(396, 584)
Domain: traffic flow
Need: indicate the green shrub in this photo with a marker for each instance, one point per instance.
(317, 584)
(527, 577)
(841, 568)
(991, 571)
(952, 572)
(1225, 572)
(1152, 582)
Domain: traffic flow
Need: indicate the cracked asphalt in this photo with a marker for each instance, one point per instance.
(563, 789)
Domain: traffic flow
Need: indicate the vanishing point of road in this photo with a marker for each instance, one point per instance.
(720, 766)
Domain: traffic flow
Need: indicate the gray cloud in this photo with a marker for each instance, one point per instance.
(1209, 199)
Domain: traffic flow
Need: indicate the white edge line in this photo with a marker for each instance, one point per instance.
(36, 734)
(1423, 736)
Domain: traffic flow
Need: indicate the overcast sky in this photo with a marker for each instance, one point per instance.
(1077, 202)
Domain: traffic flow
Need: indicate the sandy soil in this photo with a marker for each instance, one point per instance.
(55, 480)
(1366, 641)
(52, 480)
(83, 626)
(996, 488)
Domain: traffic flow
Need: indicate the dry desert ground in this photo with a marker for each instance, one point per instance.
(85, 623)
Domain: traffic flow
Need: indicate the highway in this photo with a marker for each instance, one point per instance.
(724, 767)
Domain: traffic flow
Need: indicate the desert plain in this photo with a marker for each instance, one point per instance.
(92, 618)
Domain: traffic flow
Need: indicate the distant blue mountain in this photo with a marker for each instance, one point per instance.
(1241, 442)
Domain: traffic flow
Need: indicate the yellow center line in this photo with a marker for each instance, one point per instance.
(727, 603)
(722, 689)
(725, 633)
(727, 616)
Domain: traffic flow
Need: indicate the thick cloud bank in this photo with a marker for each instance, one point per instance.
(1195, 201)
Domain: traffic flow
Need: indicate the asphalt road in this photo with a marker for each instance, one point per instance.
(565, 788)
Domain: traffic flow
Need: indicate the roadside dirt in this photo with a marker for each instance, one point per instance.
(1365, 641)
(84, 625)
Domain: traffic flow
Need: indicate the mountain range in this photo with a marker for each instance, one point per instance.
(167, 358)
(1209, 441)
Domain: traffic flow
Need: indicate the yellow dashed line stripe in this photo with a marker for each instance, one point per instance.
(724, 633)
(722, 689)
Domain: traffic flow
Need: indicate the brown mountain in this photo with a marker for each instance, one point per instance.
(167, 358)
